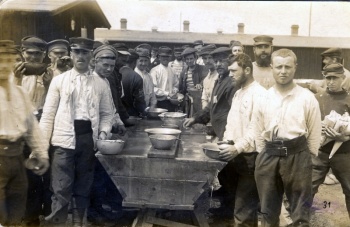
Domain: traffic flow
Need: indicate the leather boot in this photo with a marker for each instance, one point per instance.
(77, 216)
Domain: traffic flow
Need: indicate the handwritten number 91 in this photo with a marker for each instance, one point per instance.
(326, 204)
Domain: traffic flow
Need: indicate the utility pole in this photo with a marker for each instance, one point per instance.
(310, 16)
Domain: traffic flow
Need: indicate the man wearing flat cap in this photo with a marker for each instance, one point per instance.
(178, 64)
(57, 51)
(142, 64)
(191, 78)
(154, 61)
(166, 84)
(17, 125)
(335, 98)
(77, 112)
(212, 76)
(198, 44)
(133, 99)
(261, 67)
(237, 47)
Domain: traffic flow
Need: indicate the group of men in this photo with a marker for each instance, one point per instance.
(268, 127)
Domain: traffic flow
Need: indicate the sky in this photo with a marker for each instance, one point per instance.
(325, 19)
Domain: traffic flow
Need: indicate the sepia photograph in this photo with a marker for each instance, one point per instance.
(141, 113)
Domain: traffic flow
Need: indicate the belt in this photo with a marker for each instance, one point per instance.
(284, 148)
(82, 127)
(8, 148)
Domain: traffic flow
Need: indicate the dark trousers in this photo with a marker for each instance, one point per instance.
(291, 174)
(72, 173)
(13, 190)
(340, 165)
(247, 198)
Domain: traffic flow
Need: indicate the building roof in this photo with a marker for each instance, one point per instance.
(221, 39)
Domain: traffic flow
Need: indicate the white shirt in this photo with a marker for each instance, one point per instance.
(164, 80)
(294, 115)
(148, 87)
(239, 118)
(80, 95)
(263, 75)
(208, 86)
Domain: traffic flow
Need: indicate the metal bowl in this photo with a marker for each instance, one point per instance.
(110, 146)
(173, 118)
(162, 142)
(155, 112)
(211, 150)
(163, 131)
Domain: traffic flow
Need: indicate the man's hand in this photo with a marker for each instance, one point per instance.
(121, 130)
(19, 69)
(42, 166)
(227, 152)
(198, 86)
(188, 122)
(334, 135)
(102, 135)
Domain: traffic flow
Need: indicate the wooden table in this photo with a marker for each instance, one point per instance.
(161, 183)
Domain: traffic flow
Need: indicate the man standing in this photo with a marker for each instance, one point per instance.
(154, 57)
(78, 111)
(17, 124)
(337, 99)
(166, 84)
(191, 78)
(237, 47)
(58, 54)
(287, 126)
(243, 153)
(209, 80)
(198, 44)
(261, 67)
(178, 64)
(141, 69)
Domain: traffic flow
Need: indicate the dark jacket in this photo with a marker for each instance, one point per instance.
(198, 75)
(134, 98)
(219, 105)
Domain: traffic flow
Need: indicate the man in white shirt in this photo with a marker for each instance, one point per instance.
(178, 64)
(242, 152)
(287, 132)
(198, 44)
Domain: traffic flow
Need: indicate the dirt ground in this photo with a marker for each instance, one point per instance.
(328, 210)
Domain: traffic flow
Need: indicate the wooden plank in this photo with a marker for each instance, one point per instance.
(164, 222)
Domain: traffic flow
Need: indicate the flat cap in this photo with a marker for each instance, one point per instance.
(332, 52)
(188, 51)
(144, 46)
(105, 51)
(334, 69)
(221, 50)
(133, 54)
(143, 52)
(198, 42)
(81, 43)
(235, 43)
(207, 49)
(121, 48)
(262, 40)
(58, 45)
(7, 46)
(165, 51)
(33, 43)
(178, 50)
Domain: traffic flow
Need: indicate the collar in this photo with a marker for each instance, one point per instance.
(76, 73)
(342, 92)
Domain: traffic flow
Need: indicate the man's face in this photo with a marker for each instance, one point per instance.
(142, 63)
(56, 54)
(237, 50)
(33, 56)
(190, 60)
(164, 60)
(81, 59)
(178, 56)
(328, 60)
(104, 66)
(283, 69)
(198, 47)
(121, 60)
(208, 61)
(7, 62)
(263, 54)
(334, 83)
(221, 63)
(154, 53)
(238, 73)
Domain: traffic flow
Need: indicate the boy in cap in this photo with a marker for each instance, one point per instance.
(178, 64)
(57, 51)
(262, 70)
(166, 84)
(337, 99)
(17, 124)
(287, 131)
(191, 78)
(78, 111)
(142, 64)
(209, 80)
